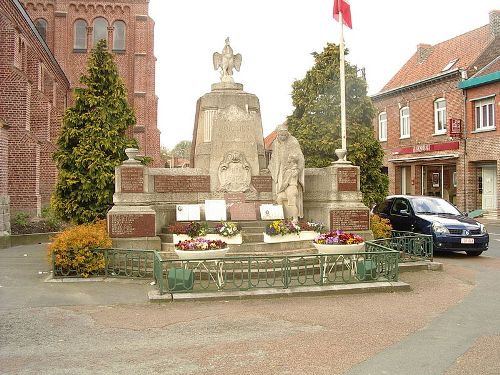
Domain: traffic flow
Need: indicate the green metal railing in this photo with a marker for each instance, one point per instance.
(118, 263)
(412, 246)
(246, 273)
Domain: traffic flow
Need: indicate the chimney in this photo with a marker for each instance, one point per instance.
(495, 22)
(423, 52)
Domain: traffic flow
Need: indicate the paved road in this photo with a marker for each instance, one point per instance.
(447, 325)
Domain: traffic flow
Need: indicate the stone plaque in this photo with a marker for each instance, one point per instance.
(271, 212)
(263, 184)
(131, 225)
(243, 211)
(182, 184)
(349, 219)
(215, 210)
(187, 212)
(132, 180)
(231, 198)
(347, 179)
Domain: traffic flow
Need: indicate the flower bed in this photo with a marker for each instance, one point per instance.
(338, 242)
(201, 248)
(282, 231)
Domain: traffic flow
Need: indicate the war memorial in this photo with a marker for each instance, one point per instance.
(229, 178)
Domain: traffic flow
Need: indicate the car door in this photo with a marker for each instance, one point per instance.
(401, 215)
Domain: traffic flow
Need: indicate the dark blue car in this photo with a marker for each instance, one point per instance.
(451, 230)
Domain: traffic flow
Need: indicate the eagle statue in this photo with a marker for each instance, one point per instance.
(227, 61)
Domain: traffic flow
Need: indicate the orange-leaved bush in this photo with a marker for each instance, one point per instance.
(72, 249)
(380, 227)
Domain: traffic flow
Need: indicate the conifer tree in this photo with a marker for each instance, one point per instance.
(92, 141)
(315, 121)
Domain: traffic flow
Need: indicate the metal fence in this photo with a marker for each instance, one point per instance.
(245, 273)
(412, 246)
(117, 263)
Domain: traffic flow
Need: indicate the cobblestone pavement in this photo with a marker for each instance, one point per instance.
(447, 324)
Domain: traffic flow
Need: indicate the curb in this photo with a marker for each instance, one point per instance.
(422, 265)
(378, 287)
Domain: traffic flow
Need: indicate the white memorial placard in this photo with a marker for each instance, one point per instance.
(271, 212)
(215, 210)
(187, 212)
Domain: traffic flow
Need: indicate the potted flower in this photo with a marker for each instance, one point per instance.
(282, 231)
(227, 231)
(200, 248)
(186, 231)
(338, 242)
(309, 230)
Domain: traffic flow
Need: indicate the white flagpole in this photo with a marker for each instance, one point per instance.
(342, 89)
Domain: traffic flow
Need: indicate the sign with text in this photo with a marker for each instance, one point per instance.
(132, 180)
(262, 183)
(427, 148)
(347, 179)
(234, 198)
(131, 225)
(243, 211)
(271, 212)
(215, 210)
(455, 127)
(182, 184)
(357, 219)
(187, 212)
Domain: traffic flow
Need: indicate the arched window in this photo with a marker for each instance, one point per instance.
(80, 34)
(100, 30)
(119, 36)
(41, 26)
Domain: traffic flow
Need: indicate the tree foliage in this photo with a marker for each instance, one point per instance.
(182, 149)
(92, 141)
(315, 121)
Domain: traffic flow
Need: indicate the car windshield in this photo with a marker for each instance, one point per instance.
(427, 205)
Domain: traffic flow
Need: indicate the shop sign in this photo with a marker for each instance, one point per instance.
(455, 127)
(427, 148)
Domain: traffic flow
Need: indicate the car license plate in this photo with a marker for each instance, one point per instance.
(467, 240)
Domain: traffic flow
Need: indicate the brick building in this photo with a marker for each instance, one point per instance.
(437, 121)
(45, 47)
(70, 29)
(33, 95)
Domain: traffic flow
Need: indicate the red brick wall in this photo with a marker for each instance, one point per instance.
(482, 148)
(30, 113)
(136, 64)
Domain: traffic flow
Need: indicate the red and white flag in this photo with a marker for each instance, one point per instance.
(344, 7)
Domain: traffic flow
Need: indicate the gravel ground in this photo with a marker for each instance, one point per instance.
(313, 335)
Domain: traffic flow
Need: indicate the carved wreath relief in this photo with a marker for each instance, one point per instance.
(235, 173)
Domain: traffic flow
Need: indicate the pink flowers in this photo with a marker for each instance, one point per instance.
(338, 237)
(200, 244)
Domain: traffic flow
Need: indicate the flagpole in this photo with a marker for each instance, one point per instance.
(342, 89)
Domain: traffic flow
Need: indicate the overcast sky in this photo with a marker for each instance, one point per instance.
(276, 38)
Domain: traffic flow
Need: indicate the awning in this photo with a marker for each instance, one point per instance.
(425, 158)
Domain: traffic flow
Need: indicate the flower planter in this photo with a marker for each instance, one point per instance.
(180, 237)
(308, 235)
(279, 238)
(339, 249)
(233, 240)
(201, 254)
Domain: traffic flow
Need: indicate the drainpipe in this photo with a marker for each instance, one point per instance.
(464, 92)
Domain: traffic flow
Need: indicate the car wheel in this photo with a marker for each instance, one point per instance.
(474, 253)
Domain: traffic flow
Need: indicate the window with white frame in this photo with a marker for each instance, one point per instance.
(382, 126)
(440, 116)
(404, 121)
(80, 35)
(484, 114)
(100, 30)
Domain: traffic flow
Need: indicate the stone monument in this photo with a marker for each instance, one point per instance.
(228, 140)
(287, 170)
